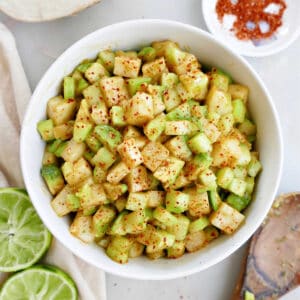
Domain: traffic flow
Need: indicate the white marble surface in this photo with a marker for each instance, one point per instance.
(40, 44)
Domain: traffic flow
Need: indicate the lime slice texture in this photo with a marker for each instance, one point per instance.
(23, 237)
(39, 283)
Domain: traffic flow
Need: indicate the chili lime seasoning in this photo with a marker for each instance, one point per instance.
(251, 16)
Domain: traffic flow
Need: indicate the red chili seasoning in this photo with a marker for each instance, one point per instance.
(250, 15)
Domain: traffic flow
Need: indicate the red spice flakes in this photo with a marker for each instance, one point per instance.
(250, 15)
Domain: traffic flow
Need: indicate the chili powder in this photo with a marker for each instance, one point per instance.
(252, 12)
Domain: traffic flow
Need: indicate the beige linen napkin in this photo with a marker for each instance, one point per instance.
(14, 96)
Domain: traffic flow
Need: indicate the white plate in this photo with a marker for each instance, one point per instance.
(283, 37)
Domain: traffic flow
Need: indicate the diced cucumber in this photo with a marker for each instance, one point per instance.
(249, 296)
(176, 250)
(169, 80)
(92, 142)
(238, 110)
(99, 174)
(200, 143)
(53, 178)
(147, 54)
(219, 81)
(114, 191)
(155, 127)
(73, 202)
(224, 177)
(45, 129)
(102, 218)
(250, 185)
(118, 226)
(174, 56)
(225, 123)
(254, 167)
(81, 131)
(177, 202)
(198, 164)
(237, 202)
(181, 112)
(164, 216)
(118, 249)
(117, 116)
(69, 87)
(238, 91)
(180, 228)
(64, 131)
(107, 59)
(214, 199)
(135, 221)
(208, 179)
(135, 84)
(238, 187)
(136, 201)
(156, 92)
(198, 224)
(247, 127)
(83, 66)
(211, 233)
(108, 136)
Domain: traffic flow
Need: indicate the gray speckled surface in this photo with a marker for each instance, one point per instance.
(40, 44)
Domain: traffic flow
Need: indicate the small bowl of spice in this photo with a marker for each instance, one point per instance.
(253, 27)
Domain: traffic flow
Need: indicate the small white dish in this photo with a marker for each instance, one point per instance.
(286, 34)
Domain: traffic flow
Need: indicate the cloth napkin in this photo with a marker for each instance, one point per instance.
(14, 96)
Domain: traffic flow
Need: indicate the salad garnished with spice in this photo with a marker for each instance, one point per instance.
(149, 153)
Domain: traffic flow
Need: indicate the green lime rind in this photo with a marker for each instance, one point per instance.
(23, 237)
(40, 282)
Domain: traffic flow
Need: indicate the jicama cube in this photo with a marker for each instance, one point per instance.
(82, 227)
(226, 218)
(127, 66)
(130, 153)
(117, 173)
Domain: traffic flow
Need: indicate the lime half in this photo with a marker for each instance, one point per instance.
(39, 283)
(23, 237)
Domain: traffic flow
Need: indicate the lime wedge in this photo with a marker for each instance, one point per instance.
(39, 282)
(23, 237)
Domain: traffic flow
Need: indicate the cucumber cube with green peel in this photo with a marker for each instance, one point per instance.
(224, 177)
(237, 202)
(238, 91)
(208, 179)
(199, 224)
(181, 112)
(81, 131)
(176, 250)
(177, 202)
(199, 163)
(169, 80)
(135, 84)
(164, 216)
(81, 85)
(238, 110)
(45, 129)
(53, 178)
(99, 174)
(135, 221)
(118, 226)
(254, 167)
(180, 228)
(247, 127)
(250, 185)
(214, 199)
(107, 59)
(118, 249)
(102, 218)
(73, 202)
(114, 191)
(147, 54)
(200, 143)
(238, 187)
(104, 158)
(245, 156)
(108, 136)
(155, 127)
(92, 142)
(69, 87)
(220, 81)
(136, 201)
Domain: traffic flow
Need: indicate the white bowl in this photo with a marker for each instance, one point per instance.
(133, 35)
(286, 34)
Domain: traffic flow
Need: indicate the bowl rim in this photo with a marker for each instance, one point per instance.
(118, 271)
(250, 53)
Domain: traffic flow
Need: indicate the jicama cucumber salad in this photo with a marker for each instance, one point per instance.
(149, 152)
